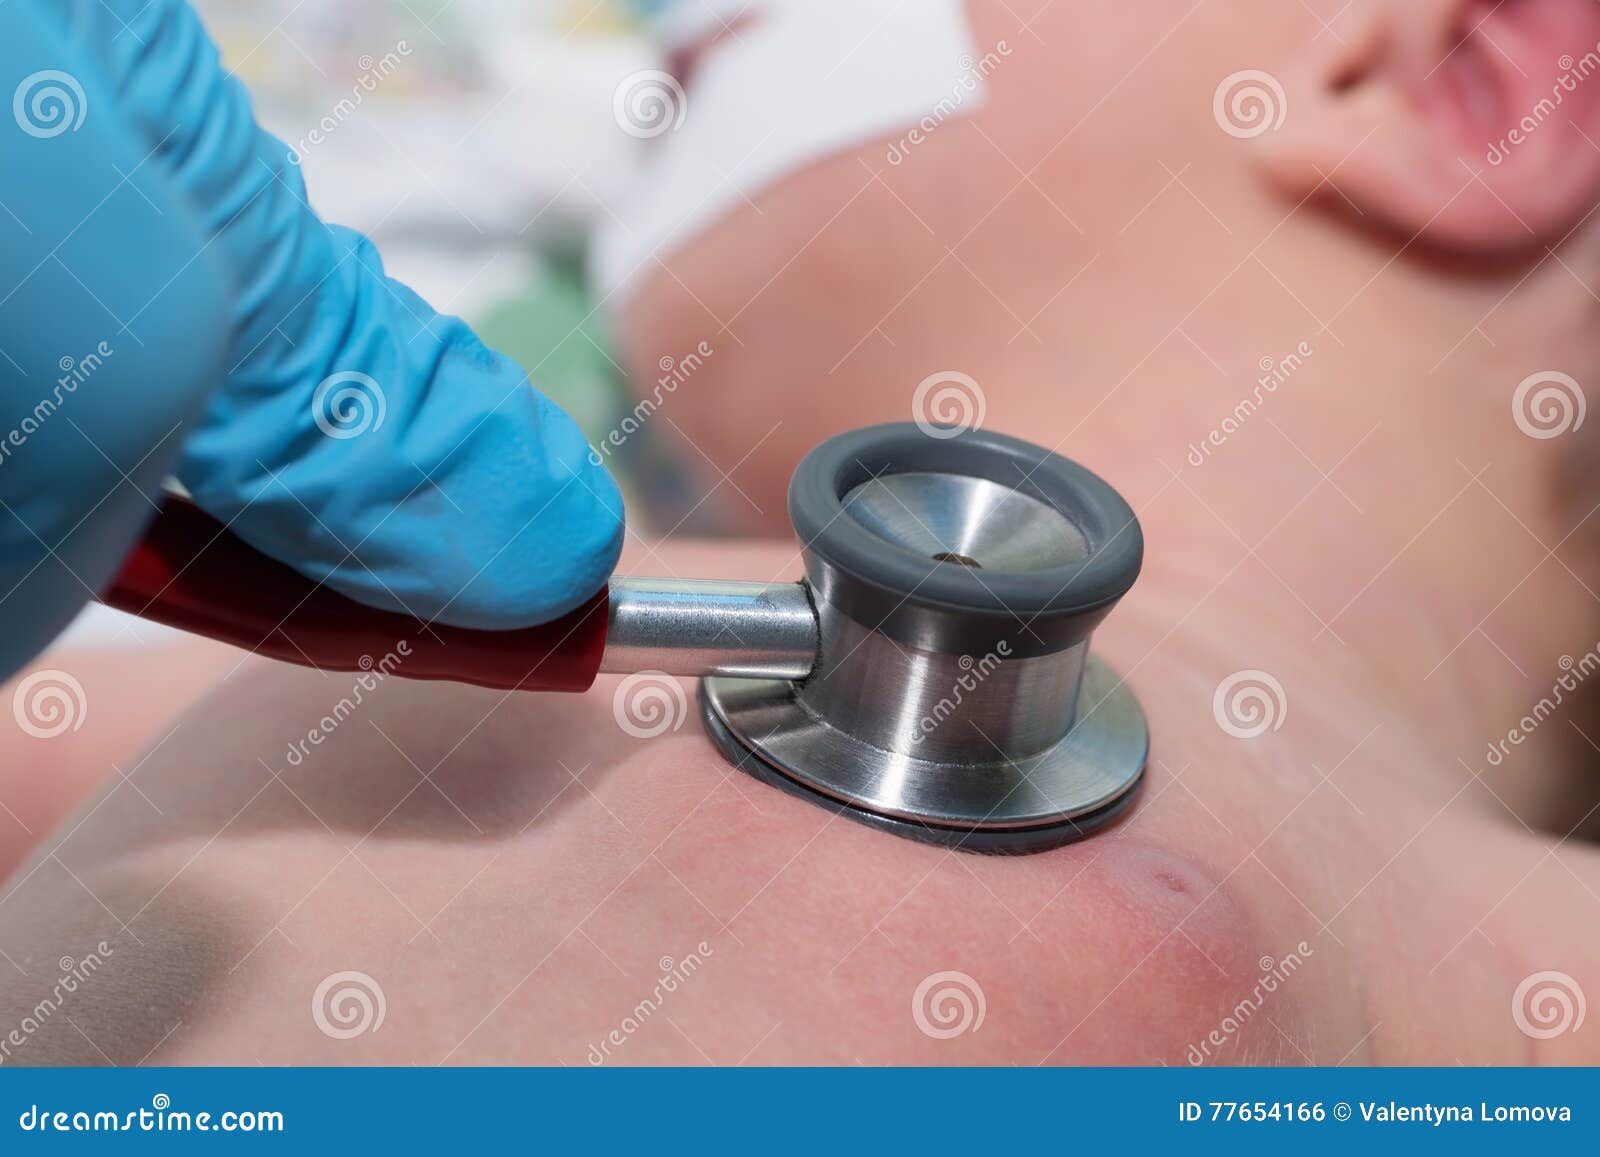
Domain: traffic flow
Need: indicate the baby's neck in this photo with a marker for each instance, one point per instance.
(1414, 525)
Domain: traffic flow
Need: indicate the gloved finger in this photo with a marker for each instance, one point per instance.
(112, 330)
(360, 437)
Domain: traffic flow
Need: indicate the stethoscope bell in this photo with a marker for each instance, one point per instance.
(956, 578)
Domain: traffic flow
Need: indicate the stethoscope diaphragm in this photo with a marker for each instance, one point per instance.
(956, 579)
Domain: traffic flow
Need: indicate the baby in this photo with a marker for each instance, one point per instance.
(1251, 263)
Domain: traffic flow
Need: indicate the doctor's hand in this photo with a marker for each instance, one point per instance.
(170, 305)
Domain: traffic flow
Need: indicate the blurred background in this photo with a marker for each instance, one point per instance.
(482, 153)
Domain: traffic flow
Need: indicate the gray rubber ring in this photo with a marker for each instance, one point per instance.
(892, 589)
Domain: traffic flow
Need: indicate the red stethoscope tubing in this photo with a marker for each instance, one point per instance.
(192, 573)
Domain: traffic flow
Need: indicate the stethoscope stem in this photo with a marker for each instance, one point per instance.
(191, 572)
(709, 627)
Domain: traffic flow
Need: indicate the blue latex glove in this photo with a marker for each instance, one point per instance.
(170, 304)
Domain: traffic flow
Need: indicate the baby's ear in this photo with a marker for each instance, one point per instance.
(1472, 123)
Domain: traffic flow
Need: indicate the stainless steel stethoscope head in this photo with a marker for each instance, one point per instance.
(956, 578)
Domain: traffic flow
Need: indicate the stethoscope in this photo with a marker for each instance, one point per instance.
(931, 676)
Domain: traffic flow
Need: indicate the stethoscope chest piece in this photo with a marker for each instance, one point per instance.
(956, 578)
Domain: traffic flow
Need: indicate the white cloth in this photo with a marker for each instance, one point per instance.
(797, 81)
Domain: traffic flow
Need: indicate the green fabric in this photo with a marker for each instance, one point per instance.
(554, 331)
(552, 328)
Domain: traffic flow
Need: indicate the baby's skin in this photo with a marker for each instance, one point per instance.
(529, 879)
